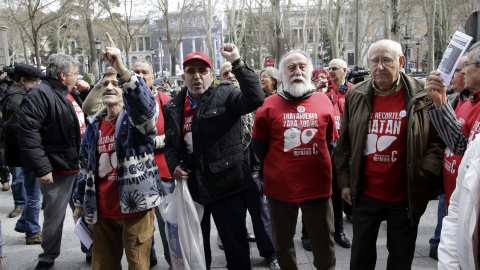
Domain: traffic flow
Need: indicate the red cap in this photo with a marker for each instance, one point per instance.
(197, 56)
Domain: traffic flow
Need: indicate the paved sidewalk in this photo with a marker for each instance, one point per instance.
(17, 255)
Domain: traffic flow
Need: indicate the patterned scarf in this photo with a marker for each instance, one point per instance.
(247, 126)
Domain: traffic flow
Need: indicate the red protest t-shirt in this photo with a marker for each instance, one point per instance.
(385, 149)
(472, 121)
(297, 165)
(159, 154)
(451, 161)
(338, 113)
(80, 114)
(188, 113)
(108, 201)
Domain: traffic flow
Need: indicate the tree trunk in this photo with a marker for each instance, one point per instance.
(208, 29)
(279, 34)
(25, 53)
(91, 42)
(429, 8)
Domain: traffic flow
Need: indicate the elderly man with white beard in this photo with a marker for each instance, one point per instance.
(293, 134)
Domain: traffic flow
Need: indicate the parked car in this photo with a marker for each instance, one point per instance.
(175, 81)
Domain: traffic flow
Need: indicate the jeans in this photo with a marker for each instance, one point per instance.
(18, 188)
(166, 186)
(2, 243)
(263, 234)
(30, 215)
(441, 213)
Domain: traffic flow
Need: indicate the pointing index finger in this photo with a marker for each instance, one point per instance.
(110, 40)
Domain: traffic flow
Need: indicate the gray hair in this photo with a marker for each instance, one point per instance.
(392, 46)
(309, 62)
(476, 47)
(146, 62)
(274, 73)
(340, 62)
(58, 63)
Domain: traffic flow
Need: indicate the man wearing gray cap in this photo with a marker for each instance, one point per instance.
(24, 184)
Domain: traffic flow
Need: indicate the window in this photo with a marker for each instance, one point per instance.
(140, 44)
(147, 44)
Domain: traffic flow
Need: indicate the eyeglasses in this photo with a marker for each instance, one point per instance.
(457, 70)
(333, 68)
(466, 64)
(192, 71)
(74, 73)
(318, 79)
(386, 61)
(265, 77)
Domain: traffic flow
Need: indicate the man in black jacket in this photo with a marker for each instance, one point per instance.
(203, 143)
(51, 122)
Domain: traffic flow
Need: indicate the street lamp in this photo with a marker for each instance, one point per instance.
(407, 42)
(98, 47)
(153, 61)
(161, 55)
(418, 49)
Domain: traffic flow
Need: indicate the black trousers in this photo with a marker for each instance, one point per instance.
(254, 202)
(401, 236)
(229, 215)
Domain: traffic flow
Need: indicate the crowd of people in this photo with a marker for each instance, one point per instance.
(287, 139)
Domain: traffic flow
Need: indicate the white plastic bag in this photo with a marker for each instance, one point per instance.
(182, 226)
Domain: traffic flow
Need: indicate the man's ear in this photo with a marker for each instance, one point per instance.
(63, 77)
(401, 60)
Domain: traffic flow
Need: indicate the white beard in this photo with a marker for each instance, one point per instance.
(296, 89)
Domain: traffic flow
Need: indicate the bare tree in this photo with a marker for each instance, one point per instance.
(429, 8)
(279, 30)
(39, 14)
(126, 25)
(90, 14)
(333, 26)
(316, 29)
(172, 26)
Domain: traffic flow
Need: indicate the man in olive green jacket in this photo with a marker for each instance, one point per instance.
(388, 158)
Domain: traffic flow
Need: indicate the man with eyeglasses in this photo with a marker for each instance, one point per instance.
(337, 69)
(388, 158)
(51, 125)
(458, 243)
(203, 146)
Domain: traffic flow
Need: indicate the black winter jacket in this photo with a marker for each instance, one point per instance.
(49, 130)
(10, 103)
(218, 163)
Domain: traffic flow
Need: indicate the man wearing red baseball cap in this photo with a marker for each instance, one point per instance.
(203, 145)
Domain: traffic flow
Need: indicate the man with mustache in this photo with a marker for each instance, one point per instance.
(293, 133)
(388, 159)
(119, 182)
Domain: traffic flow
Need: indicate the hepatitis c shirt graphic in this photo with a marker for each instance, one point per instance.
(383, 130)
(303, 129)
(107, 160)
